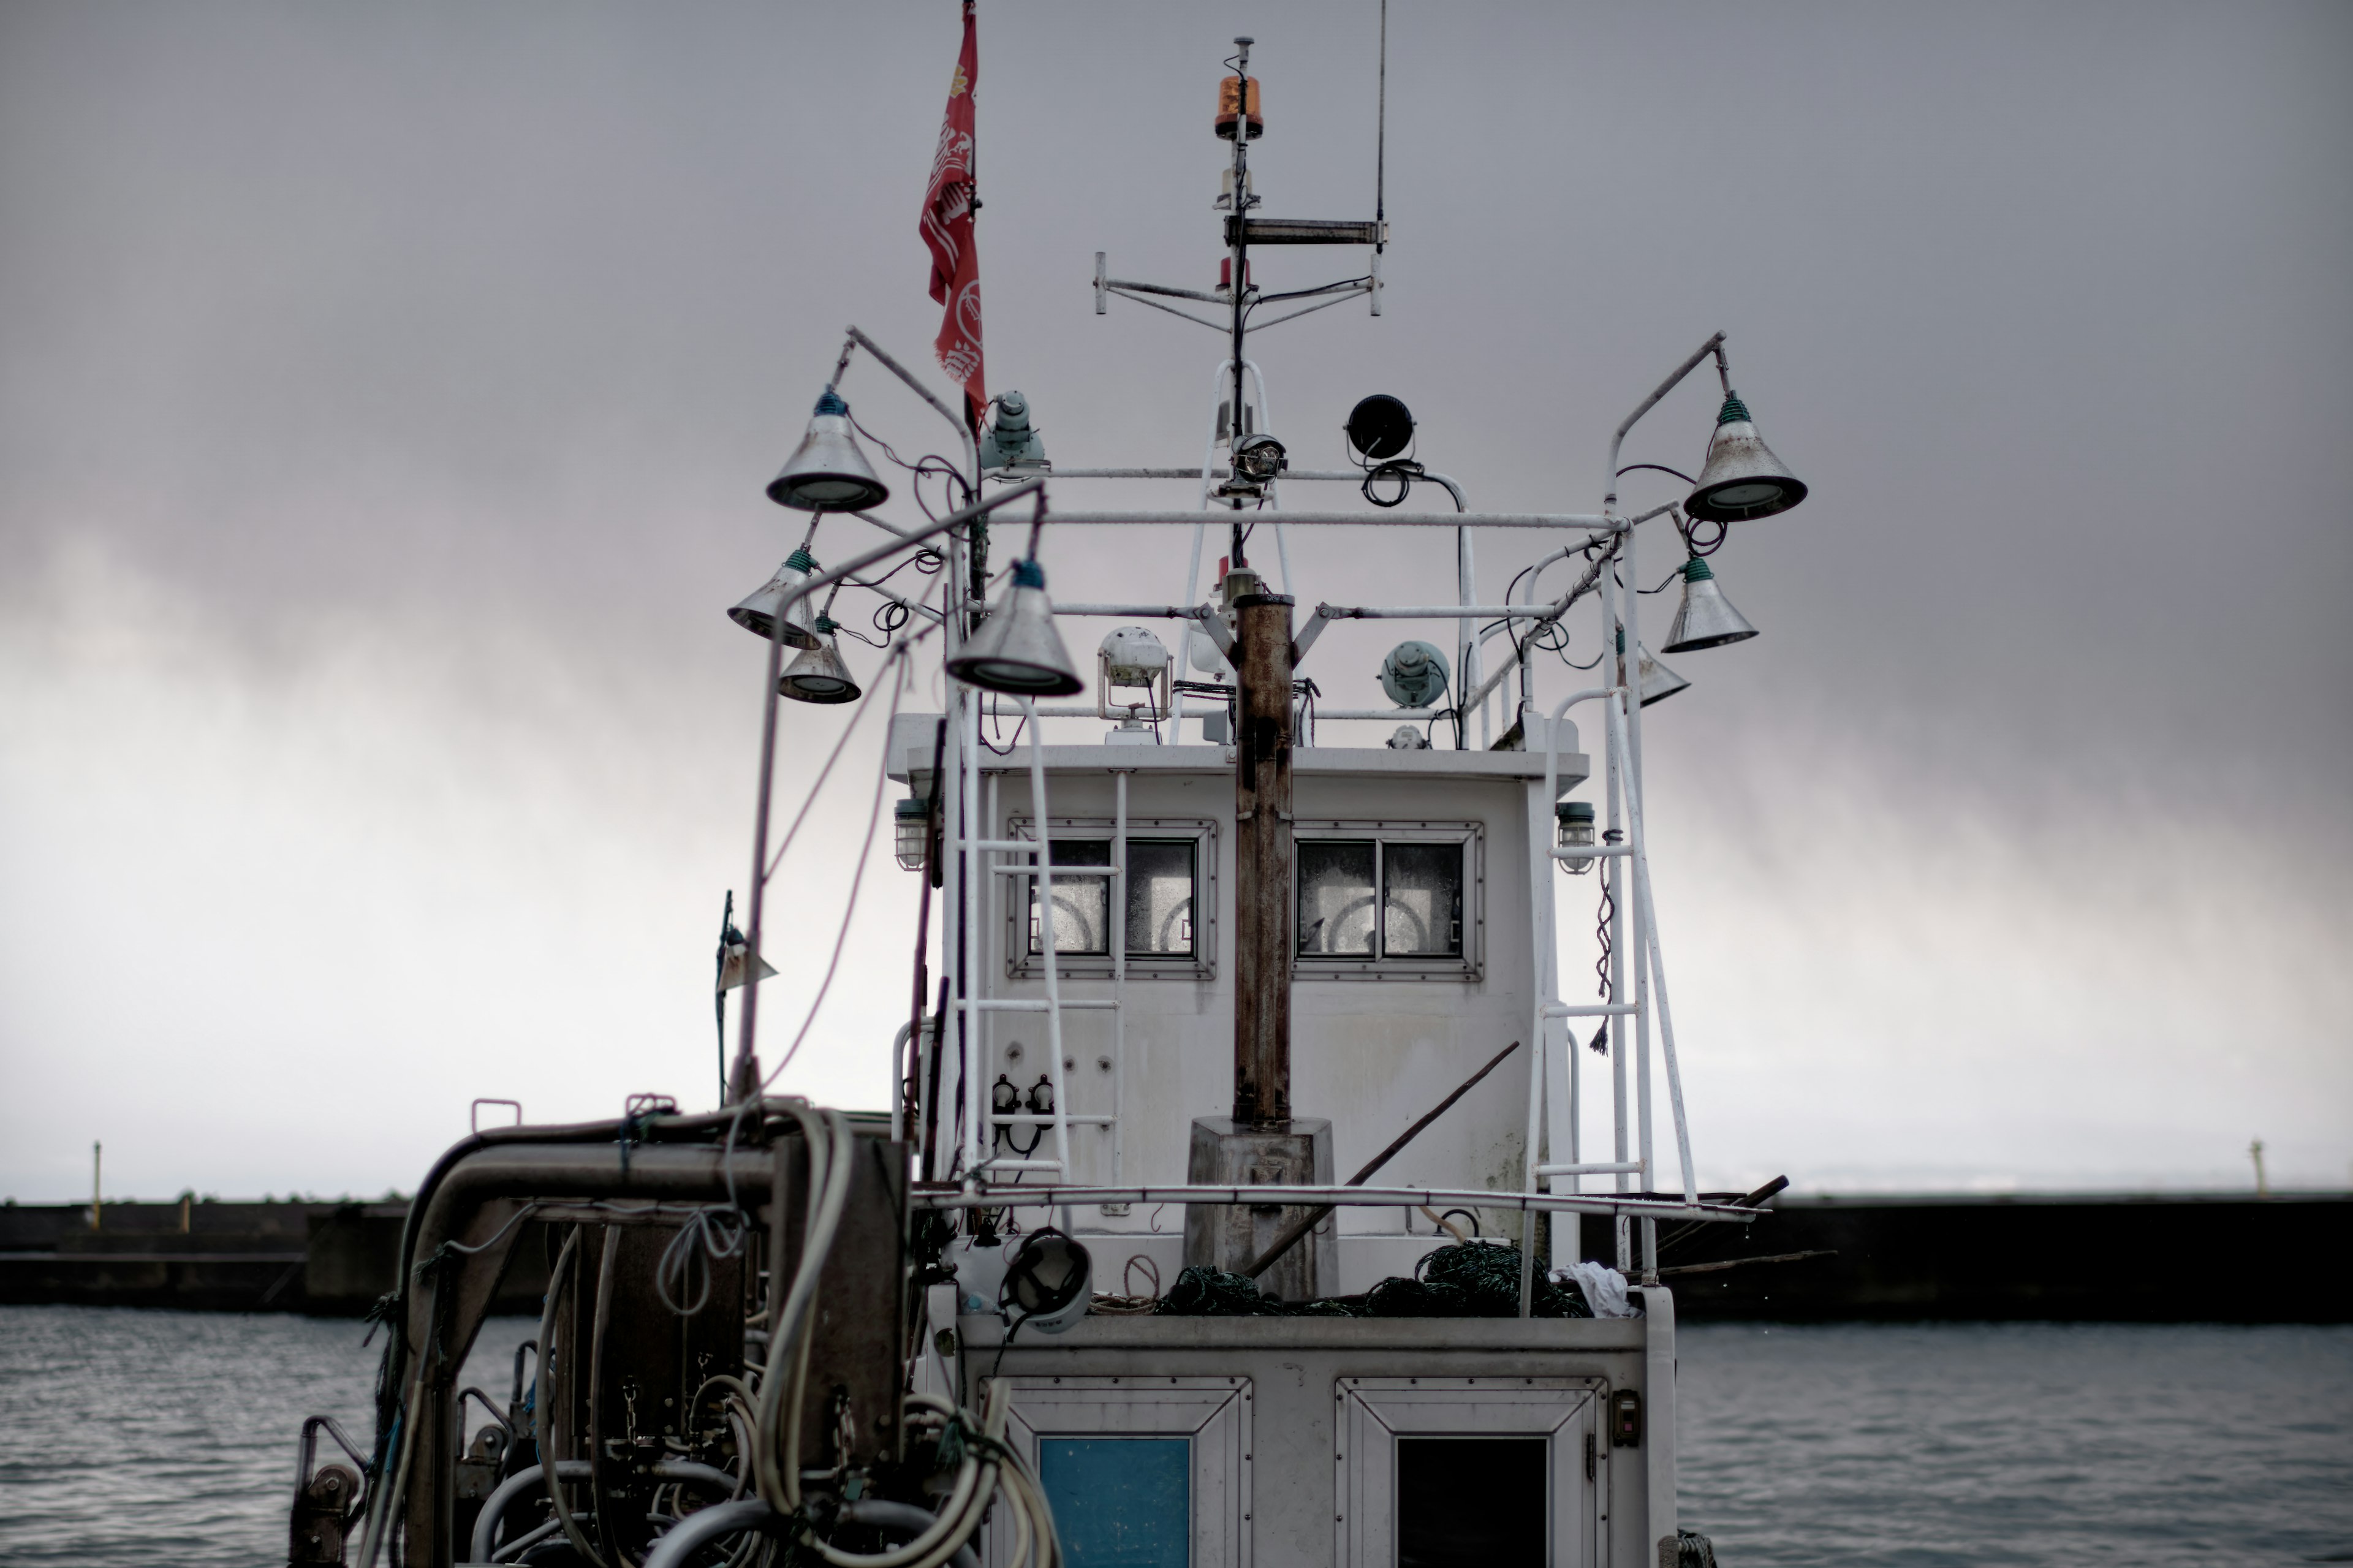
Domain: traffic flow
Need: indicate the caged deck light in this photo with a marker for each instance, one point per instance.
(817, 675)
(1575, 832)
(1705, 618)
(757, 613)
(911, 825)
(1743, 479)
(828, 472)
(1016, 650)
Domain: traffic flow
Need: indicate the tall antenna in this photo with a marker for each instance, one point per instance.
(1381, 128)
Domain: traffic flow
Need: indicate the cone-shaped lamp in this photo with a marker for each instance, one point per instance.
(1016, 650)
(1656, 682)
(1705, 618)
(1743, 479)
(817, 675)
(757, 613)
(828, 472)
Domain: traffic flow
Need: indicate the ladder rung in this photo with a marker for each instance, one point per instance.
(1629, 1167)
(1031, 1004)
(1598, 1010)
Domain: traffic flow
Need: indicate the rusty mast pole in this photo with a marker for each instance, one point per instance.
(1263, 862)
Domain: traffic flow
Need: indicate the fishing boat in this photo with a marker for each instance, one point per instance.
(1386, 1308)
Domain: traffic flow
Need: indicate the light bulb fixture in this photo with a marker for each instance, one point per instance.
(1705, 618)
(1743, 479)
(1016, 650)
(757, 613)
(1575, 832)
(817, 675)
(828, 472)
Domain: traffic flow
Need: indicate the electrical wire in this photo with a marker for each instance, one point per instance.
(857, 879)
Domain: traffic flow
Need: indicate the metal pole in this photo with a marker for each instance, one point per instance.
(745, 1084)
(1262, 862)
(1116, 920)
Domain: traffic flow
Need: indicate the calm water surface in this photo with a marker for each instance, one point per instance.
(133, 1437)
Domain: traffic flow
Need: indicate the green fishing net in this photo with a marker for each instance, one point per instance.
(1472, 1279)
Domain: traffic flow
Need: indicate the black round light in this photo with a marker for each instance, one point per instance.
(1380, 426)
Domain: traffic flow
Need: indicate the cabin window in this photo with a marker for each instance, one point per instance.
(1141, 1473)
(1126, 1501)
(1395, 901)
(1480, 1472)
(1165, 915)
(1470, 1502)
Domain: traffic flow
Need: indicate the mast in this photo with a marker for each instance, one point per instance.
(1238, 258)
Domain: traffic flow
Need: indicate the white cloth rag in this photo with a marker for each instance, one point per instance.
(1604, 1288)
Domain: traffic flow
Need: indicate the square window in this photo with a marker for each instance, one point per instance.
(1470, 1502)
(1421, 900)
(1335, 898)
(1163, 909)
(1160, 897)
(1120, 1502)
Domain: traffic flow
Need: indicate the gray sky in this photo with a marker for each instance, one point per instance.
(385, 395)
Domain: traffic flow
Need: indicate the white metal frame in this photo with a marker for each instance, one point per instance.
(1555, 1165)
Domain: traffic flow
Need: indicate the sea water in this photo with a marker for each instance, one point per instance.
(136, 1437)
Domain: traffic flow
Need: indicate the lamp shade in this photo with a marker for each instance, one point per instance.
(1655, 681)
(817, 674)
(1705, 618)
(1743, 479)
(1017, 649)
(757, 613)
(1658, 682)
(828, 472)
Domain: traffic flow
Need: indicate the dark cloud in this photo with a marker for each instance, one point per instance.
(465, 322)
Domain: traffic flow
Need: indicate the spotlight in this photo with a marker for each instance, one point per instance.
(1259, 457)
(1414, 675)
(1009, 442)
(1379, 427)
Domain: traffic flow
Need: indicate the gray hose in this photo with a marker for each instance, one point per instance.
(697, 1530)
(494, 1507)
(902, 1516)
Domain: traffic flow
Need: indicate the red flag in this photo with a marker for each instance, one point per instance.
(947, 229)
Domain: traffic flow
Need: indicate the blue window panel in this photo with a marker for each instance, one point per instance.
(1120, 1502)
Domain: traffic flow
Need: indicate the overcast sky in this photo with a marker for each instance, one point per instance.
(387, 392)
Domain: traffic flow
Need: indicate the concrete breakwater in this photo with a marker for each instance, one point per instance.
(2174, 1258)
(2081, 1257)
(327, 1258)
